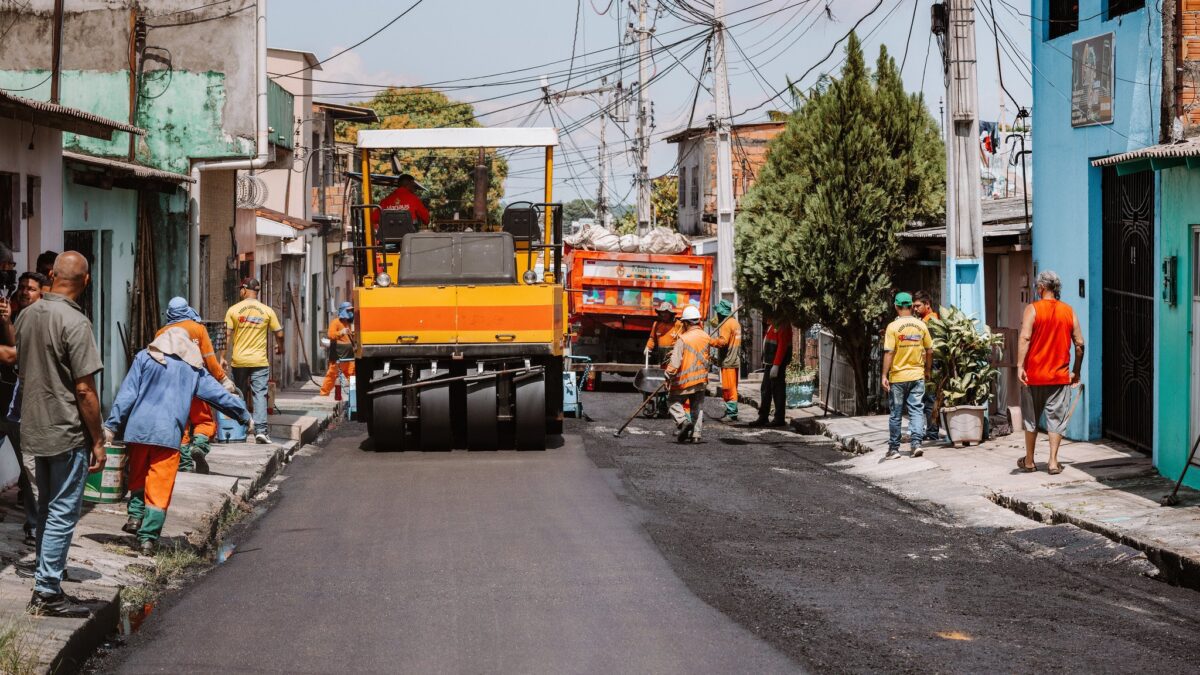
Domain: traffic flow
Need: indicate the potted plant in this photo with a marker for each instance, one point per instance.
(964, 373)
(801, 383)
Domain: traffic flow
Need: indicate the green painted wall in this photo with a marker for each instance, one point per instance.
(1180, 199)
(181, 112)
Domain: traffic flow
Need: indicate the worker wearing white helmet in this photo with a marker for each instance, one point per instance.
(688, 370)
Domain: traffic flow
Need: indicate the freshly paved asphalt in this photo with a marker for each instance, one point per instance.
(746, 553)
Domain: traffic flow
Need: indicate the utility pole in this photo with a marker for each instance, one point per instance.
(964, 281)
(723, 125)
(56, 54)
(605, 102)
(643, 33)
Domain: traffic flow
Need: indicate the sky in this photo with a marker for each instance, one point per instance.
(773, 41)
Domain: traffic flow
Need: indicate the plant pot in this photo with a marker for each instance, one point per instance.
(799, 394)
(964, 423)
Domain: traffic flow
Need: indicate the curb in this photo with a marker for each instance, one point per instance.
(82, 641)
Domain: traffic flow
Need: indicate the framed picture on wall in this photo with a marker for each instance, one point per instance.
(1092, 81)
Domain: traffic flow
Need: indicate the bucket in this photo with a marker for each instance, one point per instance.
(229, 430)
(799, 394)
(107, 486)
(964, 423)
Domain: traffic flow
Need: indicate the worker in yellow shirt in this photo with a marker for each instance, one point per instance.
(907, 359)
(341, 348)
(247, 325)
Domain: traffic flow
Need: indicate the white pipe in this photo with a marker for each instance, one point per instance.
(260, 161)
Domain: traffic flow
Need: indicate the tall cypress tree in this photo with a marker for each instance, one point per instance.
(859, 159)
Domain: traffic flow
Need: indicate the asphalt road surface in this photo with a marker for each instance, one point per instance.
(746, 553)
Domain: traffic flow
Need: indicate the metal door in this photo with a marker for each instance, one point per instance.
(1128, 297)
(1195, 331)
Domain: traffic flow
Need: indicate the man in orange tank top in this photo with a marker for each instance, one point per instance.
(1048, 330)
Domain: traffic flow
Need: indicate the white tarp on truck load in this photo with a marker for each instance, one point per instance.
(662, 240)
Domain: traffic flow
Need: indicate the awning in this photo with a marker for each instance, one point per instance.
(265, 227)
(1155, 157)
(61, 117)
(122, 168)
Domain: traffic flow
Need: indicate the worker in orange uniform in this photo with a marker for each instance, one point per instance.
(777, 354)
(688, 371)
(404, 198)
(663, 333)
(341, 347)
(728, 342)
(201, 427)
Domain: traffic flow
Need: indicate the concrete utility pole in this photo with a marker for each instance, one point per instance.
(643, 33)
(723, 124)
(56, 54)
(964, 281)
(604, 91)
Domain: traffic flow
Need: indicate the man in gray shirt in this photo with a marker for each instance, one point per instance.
(60, 422)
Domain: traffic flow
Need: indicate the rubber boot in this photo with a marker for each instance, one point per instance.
(200, 448)
(731, 411)
(186, 463)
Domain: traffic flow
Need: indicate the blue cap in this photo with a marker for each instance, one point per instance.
(345, 314)
(345, 307)
(178, 310)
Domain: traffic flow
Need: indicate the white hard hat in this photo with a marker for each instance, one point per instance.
(690, 313)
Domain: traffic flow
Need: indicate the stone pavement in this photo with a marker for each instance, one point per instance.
(1104, 488)
(101, 559)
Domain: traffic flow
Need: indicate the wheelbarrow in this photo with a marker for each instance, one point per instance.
(649, 380)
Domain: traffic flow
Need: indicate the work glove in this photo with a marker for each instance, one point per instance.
(774, 372)
(230, 387)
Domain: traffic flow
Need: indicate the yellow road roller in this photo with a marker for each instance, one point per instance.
(460, 322)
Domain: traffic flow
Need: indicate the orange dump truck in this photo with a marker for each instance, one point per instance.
(612, 296)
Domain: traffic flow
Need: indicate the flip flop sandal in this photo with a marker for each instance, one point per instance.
(1055, 471)
(1026, 469)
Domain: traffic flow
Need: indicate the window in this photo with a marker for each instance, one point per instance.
(683, 186)
(10, 207)
(695, 191)
(1115, 8)
(1064, 18)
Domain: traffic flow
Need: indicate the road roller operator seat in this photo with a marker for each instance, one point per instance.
(457, 259)
(520, 220)
(394, 225)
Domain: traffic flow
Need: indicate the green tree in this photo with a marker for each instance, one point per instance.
(859, 159)
(448, 175)
(578, 209)
(664, 201)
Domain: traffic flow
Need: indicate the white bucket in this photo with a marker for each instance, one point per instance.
(964, 423)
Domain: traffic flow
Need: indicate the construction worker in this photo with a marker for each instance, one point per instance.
(777, 354)
(923, 309)
(341, 348)
(150, 413)
(201, 427)
(688, 372)
(663, 333)
(728, 342)
(404, 198)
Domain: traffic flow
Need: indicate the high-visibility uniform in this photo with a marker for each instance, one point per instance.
(402, 199)
(777, 351)
(202, 426)
(343, 354)
(688, 369)
(152, 471)
(662, 338)
(728, 342)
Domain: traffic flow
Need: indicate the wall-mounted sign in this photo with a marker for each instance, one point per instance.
(1092, 81)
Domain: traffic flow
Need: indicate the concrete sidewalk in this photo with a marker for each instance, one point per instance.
(101, 561)
(1105, 488)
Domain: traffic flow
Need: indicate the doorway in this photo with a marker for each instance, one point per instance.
(1195, 331)
(1128, 299)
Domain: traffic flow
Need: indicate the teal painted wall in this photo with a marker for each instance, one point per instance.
(1180, 200)
(181, 112)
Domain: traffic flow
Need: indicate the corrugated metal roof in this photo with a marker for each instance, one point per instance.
(1188, 148)
(129, 168)
(64, 118)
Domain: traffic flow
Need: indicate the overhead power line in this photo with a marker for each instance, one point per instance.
(361, 42)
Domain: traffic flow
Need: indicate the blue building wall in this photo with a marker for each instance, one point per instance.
(1067, 204)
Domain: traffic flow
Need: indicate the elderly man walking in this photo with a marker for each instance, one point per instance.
(1049, 328)
(201, 426)
(247, 325)
(150, 413)
(60, 423)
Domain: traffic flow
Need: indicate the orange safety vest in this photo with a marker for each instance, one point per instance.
(663, 336)
(693, 363)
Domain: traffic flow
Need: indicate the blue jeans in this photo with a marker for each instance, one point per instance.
(60, 481)
(255, 380)
(933, 431)
(910, 396)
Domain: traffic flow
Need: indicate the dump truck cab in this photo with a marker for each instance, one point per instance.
(461, 335)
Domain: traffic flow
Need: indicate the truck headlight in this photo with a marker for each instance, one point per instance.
(383, 280)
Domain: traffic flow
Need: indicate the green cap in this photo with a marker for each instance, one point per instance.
(904, 299)
(724, 308)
